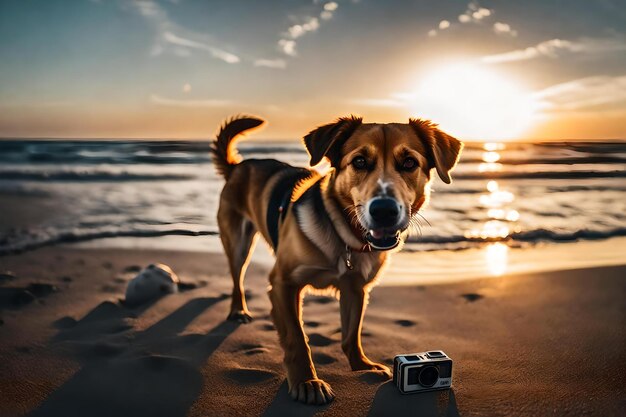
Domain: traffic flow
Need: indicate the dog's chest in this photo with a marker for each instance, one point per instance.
(365, 265)
(335, 260)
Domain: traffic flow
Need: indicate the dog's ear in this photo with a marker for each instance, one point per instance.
(326, 141)
(443, 150)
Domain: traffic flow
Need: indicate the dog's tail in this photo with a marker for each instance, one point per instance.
(225, 155)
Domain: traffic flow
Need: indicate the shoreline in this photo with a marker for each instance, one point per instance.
(78, 352)
(414, 267)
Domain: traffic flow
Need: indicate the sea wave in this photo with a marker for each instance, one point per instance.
(83, 236)
(433, 242)
(545, 175)
(530, 159)
(529, 236)
(86, 176)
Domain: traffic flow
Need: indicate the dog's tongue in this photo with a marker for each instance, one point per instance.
(377, 233)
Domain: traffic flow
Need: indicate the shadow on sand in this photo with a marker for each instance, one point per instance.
(389, 402)
(155, 372)
(284, 405)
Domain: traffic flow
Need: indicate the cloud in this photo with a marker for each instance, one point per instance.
(331, 6)
(169, 33)
(215, 52)
(170, 102)
(271, 63)
(149, 8)
(504, 29)
(554, 47)
(311, 25)
(287, 44)
(583, 95)
(474, 13)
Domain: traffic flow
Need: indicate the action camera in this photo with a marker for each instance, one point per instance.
(426, 371)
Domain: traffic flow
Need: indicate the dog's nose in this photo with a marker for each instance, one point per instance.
(384, 211)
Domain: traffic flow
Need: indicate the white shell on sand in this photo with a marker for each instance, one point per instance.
(151, 283)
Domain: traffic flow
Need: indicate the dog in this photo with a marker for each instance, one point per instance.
(327, 231)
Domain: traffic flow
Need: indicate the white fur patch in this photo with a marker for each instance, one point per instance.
(322, 236)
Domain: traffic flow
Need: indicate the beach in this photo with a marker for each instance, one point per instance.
(482, 144)
(546, 343)
(521, 281)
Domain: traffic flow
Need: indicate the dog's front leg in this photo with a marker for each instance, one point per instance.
(353, 302)
(304, 386)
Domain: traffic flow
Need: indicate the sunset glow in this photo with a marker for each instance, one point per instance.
(176, 69)
(474, 102)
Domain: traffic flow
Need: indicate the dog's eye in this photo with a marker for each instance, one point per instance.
(409, 164)
(359, 163)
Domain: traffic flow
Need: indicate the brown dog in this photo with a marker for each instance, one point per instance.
(328, 232)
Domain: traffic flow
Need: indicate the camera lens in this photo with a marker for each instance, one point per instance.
(428, 376)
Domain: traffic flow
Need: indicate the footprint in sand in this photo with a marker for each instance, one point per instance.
(18, 297)
(251, 349)
(109, 288)
(471, 297)
(313, 324)
(316, 339)
(405, 323)
(256, 351)
(132, 269)
(248, 376)
(247, 346)
(268, 327)
(41, 289)
(319, 299)
(323, 359)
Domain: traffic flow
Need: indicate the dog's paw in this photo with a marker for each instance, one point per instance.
(241, 316)
(313, 391)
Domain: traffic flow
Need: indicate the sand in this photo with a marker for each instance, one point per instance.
(536, 344)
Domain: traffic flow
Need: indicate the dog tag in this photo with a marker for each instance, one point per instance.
(349, 264)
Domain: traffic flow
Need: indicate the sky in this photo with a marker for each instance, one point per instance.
(488, 70)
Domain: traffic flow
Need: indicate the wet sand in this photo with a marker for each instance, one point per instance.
(548, 343)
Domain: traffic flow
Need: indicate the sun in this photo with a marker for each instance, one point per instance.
(474, 102)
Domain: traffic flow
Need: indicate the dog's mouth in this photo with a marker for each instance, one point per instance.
(383, 239)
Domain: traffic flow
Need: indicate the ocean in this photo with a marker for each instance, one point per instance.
(519, 194)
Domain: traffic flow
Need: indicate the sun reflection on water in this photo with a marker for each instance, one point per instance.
(497, 257)
(501, 217)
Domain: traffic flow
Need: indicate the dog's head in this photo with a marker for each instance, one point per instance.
(383, 171)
